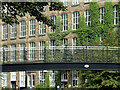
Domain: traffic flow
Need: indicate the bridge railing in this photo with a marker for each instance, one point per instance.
(93, 54)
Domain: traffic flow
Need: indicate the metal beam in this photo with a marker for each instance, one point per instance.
(59, 66)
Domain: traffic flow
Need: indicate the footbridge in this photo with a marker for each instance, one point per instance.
(60, 58)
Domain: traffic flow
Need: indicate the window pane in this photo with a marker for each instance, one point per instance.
(32, 27)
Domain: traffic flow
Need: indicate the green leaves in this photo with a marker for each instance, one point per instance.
(100, 79)
(58, 78)
(33, 8)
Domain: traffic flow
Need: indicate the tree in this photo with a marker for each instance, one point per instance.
(11, 10)
(101, 79)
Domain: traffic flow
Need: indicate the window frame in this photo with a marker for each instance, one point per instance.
(52, 78)
(74, 79)
(64, 76)
(13, 76)
(74, 41)
(29, 80)
(13, 31)
(5, 32)
(5, 47)
(54, 19)
(22, 29)
(42, 74)
(75, 2)
(22, 78)
(32, 27)
(13, 52)
(116, 13)
(102, 14)
(65, 2)
(65, 42)
(22, 53)
(65, 21)
(41, 50)
(87, 17)
(75, 20)
(87, 1)
(4, 79)
(32, 51)
(33, 80)
(42, 28)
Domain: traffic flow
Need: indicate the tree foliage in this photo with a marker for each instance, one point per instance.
(11, 10)
(100, 79)
(57, 78)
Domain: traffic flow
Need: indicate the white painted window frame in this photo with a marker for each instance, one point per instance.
(54, 19)
(41, 50)
(31, 29)
(13, 52)
(52, 78)
(22, 78)
(116, 15)
(87, 16)
(42, 28)
(13, 76)
(74, 78)
(75, 20)
(87, 1)
(102, 14)
(32, 51)
(4, 79)
(5, 32)
(65, 21)
(74, 41)
(65, 2)
(14, 30)
(22, 29)
(64, 77)
(22, 46)
(65, 42)
(75, 2)
(5, 53)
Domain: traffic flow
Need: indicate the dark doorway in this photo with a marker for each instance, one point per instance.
(13, 83)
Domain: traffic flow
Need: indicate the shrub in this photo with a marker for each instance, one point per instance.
(8, 88)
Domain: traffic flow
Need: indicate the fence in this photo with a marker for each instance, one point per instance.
(60, 54)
